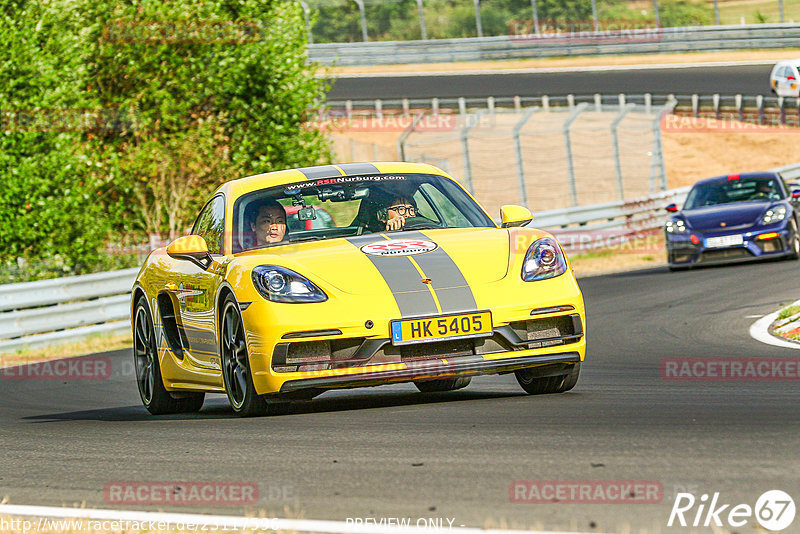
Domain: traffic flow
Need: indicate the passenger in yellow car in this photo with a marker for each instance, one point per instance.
(396, 213)
(269, 223)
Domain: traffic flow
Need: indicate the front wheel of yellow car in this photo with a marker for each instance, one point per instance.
(155, 396)
(535, 384)
(236, 364)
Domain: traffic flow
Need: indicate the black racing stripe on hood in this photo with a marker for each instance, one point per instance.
(359, 168)
(447, 280)
(322, 171)
(404, 281)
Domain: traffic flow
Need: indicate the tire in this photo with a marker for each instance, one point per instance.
(534, 385)
(442, 384)
(795, 242)
(235, 360)
(149, 381)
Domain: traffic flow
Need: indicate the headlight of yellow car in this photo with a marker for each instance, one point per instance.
(544, 259)
(279, 284)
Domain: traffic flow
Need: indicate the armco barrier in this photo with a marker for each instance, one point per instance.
(62, 310)
(664, 40)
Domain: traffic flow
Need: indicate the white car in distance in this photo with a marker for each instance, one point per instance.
(785, 78)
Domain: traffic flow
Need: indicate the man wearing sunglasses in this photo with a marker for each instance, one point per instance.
(396, 213)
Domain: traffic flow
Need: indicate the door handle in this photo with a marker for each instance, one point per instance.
(171, 286)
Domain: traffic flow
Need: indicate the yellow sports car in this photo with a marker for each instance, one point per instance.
(388, 272)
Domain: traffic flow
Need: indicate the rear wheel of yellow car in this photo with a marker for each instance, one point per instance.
(155, 396)
(236, 364)
(535, 384)
(442, 384)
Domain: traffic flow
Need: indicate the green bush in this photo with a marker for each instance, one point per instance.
(176, 97)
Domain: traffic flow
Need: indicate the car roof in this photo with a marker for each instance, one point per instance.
(245, 185)
(724, 177)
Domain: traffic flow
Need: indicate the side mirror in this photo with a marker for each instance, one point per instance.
(512, 216)
(672, 208)
(192, 248)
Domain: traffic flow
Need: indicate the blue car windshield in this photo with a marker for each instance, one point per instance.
(726, 191)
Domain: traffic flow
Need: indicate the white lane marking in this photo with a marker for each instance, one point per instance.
(548, 70)
(753, 316)
(759, 331)
(251, 523)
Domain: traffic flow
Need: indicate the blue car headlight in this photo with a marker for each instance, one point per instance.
(773, 215)
(675, 226)
(279, 284)
(544, 259)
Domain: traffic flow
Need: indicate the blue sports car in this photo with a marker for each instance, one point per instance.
(731, 218)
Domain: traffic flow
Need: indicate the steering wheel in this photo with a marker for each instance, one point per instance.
(419, 223)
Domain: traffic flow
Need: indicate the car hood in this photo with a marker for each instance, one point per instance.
(480, 254)
(734, 215)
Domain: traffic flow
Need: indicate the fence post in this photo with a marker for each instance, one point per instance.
(348, 109)
(648, 102)
(573, 188)
(571, 101)
(657, 165)
(401, 141)
(715, 100)
(465, 148)
(422, 29)
(523, 195)
(360, 4)
(435, 105)
(517, 103)
(739, 109)
(378, 108)
(478, 24)
(598, 103)
(695, 105)
(462, 106)
(760, 106)
(782, 111)
(307, 17)
(615, 145)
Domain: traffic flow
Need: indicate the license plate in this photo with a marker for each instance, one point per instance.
(407, 331)
(724, 241)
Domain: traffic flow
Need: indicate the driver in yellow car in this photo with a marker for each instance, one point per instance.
(396, 213)
(269, 225)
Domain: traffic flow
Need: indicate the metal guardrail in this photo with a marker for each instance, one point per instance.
(621, 220)
(656, 40)
(47, 312)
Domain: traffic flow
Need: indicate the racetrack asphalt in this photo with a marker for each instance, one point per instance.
(702, 79)
(390, 452)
